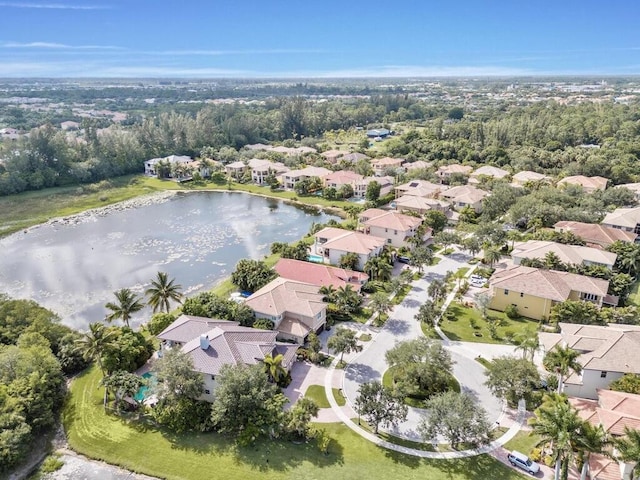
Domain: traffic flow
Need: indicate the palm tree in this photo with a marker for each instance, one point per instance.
(628, 447)
(552, 261)
(127, 304)
(347, 299)
(273, 367)
(94, 343)
(328, 291)
(562, 360)
(492, 255)
(528, 343)
(557, 424)
(472, 245)
(380, 303)
(163, 290)
(591, 439)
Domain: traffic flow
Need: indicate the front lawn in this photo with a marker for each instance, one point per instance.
(523, 442)
(143, 447)
(457, 325)
(317, 394)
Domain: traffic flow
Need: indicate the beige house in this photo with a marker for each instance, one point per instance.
(613, 411)
(290, 178)
(634, 187)
(421, 205)
(625, 219)
(211, 344)
(291, 151)
(150, 166)
(319, 274)
(526, 177)
(332, 243)
(354, 157)
(463, 196)
(595, 235)
(567, 254)
(445, 172)
(535, 291)
(342, 177)
(261, 169)
(420, 188)
(295, 308)
(488, 171)
(588, 184)
(360, 186)
(236, 169)
(606, 353)
(394, 227)
(417, 165)
(381, 165)
(332, 156)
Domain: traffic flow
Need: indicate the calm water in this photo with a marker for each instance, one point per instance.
(197, 238)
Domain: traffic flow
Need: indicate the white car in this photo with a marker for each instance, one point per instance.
(478, 283)
(518, 459)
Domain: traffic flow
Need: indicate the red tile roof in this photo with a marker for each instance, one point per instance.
(318, 274)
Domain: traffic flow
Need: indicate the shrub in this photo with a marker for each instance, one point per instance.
(535, 454)
(51, 464)
(263, 324)
(511, 311)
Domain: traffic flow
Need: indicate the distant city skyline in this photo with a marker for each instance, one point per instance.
(279, 38)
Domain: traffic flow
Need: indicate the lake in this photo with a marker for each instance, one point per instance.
(74, 268)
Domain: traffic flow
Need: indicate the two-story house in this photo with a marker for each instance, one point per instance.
(397, 229)
(332, 243)
(567, 254)
(626, 219)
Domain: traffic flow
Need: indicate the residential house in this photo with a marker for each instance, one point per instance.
(378, 133)
(527, 177)
(625, 219)
(534, 291)
(488, 171)
(9, 134)
(320, 275)
(354, 157)
(595, 235)
(382, 165)
(290, 178)
(417, 165)
(150, 166)
(236, 170)
(422, 205)
(613, 411)
(588, 184)
(261, 169)
(360, 187)
(333, 243)
(211, 344)
(397, 229)
(291, 151)
(420, 188)
(606, 353)
(634, 187)
(567, 254)
(444, 173)
(342, 177)
(258, 147)
(69, 125)
(295, 308)
(332, 156)
(465, 196)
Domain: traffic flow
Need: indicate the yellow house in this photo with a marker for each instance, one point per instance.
(535, 291)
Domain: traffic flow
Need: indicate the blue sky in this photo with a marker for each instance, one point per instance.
(282, 38)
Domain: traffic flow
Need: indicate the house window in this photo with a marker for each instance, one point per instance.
(207, 392)
(590, 297)
(506, 292)
(603, 374)
(386, 230)
(213, 377)
(521, 294)
(388, 240)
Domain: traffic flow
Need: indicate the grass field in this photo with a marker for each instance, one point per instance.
(318, 395)
(142, 447)
(523, 442)
(459, 326)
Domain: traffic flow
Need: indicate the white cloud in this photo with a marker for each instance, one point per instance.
(53, 6)
(414, 71)
(60, 46)
(268, 51)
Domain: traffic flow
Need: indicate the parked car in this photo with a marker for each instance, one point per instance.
(520, 460)
(403, 259)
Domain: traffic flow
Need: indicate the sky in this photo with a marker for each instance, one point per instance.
(332, 38)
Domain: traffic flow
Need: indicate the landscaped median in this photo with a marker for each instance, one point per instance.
(140, 446)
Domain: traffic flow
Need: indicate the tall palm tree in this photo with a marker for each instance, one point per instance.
(528, 343)
(552, 261)
(127, 304)
(380, 303)
(328, 291)
(591, 439)
(273, 367)
(562, 360)
(492, 255)
(163, 290)
(94, 343)
(558, 424)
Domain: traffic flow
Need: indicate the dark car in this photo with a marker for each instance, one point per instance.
(403, 259)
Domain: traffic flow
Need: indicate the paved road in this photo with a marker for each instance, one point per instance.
(370, 364)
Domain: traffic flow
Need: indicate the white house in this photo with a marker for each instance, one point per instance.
(396, 228)
(333, 243)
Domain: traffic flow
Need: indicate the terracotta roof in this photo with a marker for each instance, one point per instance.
(594, 233)
(417, 164)
(188, 327)
(464, 194)
(590, 183)
(350, 241)
(308, 172)
(634, 187)
(318, 274)
(386, 162)
(282, 296)
(602, 467)
(293, 326)
(623, 217)
(421, 203)
(354, 157)
(389, 219)
(529, 176)
(342, 177)
(613, 410)
(420, 188)
(548, 284)
(454, 168)
(570, 254)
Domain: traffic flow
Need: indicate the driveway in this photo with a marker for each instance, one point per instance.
(370, 365)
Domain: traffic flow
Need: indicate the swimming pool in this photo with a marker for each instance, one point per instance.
(141, 394)
(315, 258)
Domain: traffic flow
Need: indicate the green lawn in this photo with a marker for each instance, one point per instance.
(459, 326)
(523, 442)
(317, 394)
(365, 337)
(143, 447)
